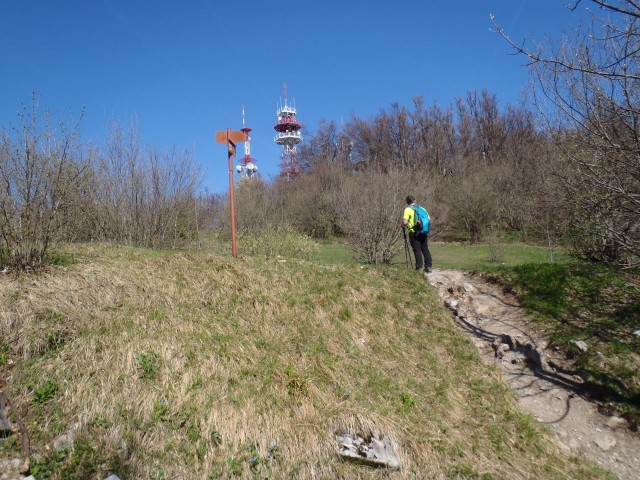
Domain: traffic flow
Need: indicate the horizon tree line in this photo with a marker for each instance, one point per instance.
(563, 166)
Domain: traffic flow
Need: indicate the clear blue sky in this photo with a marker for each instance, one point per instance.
(183, 69)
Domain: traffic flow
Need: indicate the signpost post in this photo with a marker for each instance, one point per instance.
(230, 137)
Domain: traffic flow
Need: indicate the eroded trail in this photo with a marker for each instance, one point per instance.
(545, 382)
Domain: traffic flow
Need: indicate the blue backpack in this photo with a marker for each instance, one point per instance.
(421, 224)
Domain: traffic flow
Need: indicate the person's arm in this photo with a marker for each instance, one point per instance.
(405, 219)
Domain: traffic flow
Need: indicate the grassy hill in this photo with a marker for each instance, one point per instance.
(193, 365)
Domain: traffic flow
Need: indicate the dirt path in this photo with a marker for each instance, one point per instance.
(546, 383)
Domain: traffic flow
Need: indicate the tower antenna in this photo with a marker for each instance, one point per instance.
(247, 167)
(288, 135)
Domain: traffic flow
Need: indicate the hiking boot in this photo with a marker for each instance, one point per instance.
(427, 269)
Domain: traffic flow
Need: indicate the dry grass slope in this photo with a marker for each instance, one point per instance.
(178, 365)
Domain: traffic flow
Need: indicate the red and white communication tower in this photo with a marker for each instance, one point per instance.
(288, 136)
(247, 163)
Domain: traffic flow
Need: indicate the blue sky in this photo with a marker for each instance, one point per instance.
(183, 70)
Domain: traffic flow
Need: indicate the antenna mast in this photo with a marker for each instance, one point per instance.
(247, 163)
(288, 135)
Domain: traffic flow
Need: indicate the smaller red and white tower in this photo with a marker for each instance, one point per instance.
(247, 163)
(288, 136)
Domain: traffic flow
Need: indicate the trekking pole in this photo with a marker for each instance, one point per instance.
(406, 247)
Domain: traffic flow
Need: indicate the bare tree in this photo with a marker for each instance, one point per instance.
(43, 178)
(369, 207)
(489, 129)
(327, 145)
(255, 207)
(588, 89)
(436, 137)
(145, 196)
(473, 202)
(518, 180)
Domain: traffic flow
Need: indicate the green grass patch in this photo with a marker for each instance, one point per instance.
(458, 256)
(464, 256)
(334, 253)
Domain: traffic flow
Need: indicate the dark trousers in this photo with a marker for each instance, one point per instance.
(420, 247)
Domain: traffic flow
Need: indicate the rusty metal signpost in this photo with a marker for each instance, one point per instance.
(231, 137)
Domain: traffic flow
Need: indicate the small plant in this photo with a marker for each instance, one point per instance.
(345, 314)
(215, 437)
(235, 466)
(407, 399)
(45, 392)
(149, 365)
(273, 448)
(260, 464)
(297, 385)
(101, 421)
(84, 460)
(193, 431)
(4, 354)
(255, 462)
(160, 411)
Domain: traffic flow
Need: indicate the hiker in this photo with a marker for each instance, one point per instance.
(418, 240)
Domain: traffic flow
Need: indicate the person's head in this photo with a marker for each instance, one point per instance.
(410, 199)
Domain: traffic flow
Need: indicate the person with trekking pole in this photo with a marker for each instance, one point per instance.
(416, 219)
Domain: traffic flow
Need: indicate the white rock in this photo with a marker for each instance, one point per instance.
(581, 344)
(66, 440)
(605, 442)
(467, 287)
(378, 452)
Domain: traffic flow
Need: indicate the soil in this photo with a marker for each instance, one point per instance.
(545, 380)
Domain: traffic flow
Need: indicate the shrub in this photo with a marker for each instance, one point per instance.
(45, 179)
(369, 208)
(278, 241)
